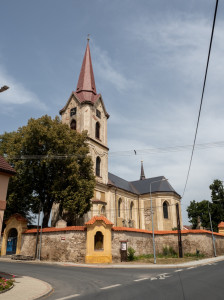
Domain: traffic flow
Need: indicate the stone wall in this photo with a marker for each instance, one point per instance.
(141, 241)
(57, 245)
(69, 244)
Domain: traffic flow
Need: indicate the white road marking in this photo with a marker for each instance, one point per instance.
(153, 278)
(140, 279)
(110, 286)
(191, 268)
(163, 274)
(69, 297)
(178, 270)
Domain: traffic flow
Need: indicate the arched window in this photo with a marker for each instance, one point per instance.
(98, 161)
(73, 125)
(131, 210)
(165, 210)
(103, 210)
(119, 207)
(97, 130)
(98, 241)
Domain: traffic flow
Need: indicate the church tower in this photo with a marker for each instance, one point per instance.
(85, 110)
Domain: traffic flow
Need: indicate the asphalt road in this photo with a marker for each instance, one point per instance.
(69, 282)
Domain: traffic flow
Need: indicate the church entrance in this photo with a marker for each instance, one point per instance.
(12, 242)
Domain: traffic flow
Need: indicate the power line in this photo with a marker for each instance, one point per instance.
(149, 151)
(202, 95)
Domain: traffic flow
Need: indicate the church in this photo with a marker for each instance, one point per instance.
(125, 203)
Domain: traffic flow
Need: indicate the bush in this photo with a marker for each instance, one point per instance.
(169, 251)
(131, 254)
(5, 284)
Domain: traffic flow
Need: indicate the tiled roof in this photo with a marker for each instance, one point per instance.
(99, 218)
(16, 216)
(5, 167)
(54, 229)
(162, 232)
(140, 187)
(86, 80)
(221, 224)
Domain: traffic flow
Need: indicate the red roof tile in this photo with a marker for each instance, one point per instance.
(99, 218)
(86, 80)
(54, 229)
(5, 167)
(194, 231)
(221, 224)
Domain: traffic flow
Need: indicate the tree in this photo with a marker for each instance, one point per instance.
(52, 165)
(201, 210)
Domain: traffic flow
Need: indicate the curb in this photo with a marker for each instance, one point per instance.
(124, 266)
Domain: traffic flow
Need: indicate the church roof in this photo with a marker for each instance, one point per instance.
(142, 175)
(5, 167)
(86, 87)
(86, 80)
(140, 187)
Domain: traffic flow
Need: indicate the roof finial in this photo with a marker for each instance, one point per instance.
(88, 37)
(142, 175)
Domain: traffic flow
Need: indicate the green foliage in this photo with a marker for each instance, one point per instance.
(5, 284)
(58, 168)
(169, 251)
(131, 254)
(197, 254)
(200, 209)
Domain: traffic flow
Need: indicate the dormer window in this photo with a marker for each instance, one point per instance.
(98, 114)
(73, 111)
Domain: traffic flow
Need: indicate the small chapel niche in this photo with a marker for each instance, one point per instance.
(98, 241)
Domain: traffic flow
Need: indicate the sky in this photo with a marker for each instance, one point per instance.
(149, 60)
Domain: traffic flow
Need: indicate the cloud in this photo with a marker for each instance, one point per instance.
(105, 70)
(17, 94)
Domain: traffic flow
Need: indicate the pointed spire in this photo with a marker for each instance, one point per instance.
(86, 82)
(142, 176)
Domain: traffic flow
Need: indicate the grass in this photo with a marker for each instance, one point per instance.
(5, 284)
(168, 256)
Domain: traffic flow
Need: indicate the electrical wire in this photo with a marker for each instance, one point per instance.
(150, 151)
(202, 96)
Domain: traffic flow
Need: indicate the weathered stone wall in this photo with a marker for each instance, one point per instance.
(142, 243)
(57, 246)
(70, 245)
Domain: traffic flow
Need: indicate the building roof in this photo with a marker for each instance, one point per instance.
(140, 187)
(86, 80)
(98, 218)
(142, 175)
(221, 225)
(86, 88)
(5, 167)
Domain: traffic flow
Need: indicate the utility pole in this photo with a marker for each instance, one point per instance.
(179, 232)
(213, 239)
